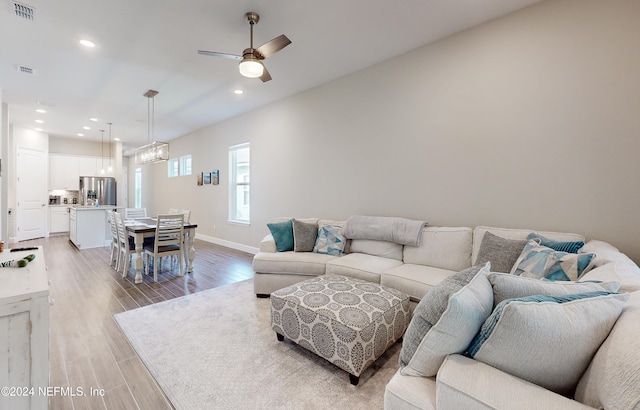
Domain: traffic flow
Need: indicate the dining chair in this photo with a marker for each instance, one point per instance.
(187, 216)
(185, 212)
(133, 213)
(126, 246)
(114, 261)
(168, 241)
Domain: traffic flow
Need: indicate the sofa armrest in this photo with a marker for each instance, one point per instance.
(268, 244)
(464, 383)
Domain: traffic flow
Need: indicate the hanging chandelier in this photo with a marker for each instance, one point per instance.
(155, 151)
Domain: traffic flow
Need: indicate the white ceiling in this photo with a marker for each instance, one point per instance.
(151, 44)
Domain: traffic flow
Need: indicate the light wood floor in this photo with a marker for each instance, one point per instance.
(87, 348)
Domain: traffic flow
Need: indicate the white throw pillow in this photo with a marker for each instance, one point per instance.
(507, 286)
(547, 340)
(446, 320)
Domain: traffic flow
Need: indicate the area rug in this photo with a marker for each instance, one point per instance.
(215, 350)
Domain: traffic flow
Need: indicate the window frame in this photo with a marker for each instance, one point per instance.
(137, 187)
(183, 165)
(173, 168)
(234, 184)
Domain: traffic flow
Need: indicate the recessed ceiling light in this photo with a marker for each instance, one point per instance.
(38, 129)
(238, 92)
(94, 119)
(86, 128)
(80, 134)
(40, 121)
(41, 111)
(116, 139)
(87, 43)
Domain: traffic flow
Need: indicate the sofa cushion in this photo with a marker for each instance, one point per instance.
(547, 340)
(442, 247)
(501, 252)
(410, 393)
(414, 280)
(282, 233)
(509, 233)
(613, 376)
(361, 266)
(446, 320)
(330, 240)
(605, 252)
(537, 261)
(383, 249)
(464, 383)
(304, 235)
(306, 263)
(625, 272)
(506, 286)
(562, 246)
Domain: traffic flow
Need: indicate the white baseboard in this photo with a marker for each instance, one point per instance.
(233, 245)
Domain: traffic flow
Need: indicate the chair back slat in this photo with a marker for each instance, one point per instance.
(133, 213)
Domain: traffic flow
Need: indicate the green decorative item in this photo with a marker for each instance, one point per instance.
(21, 263)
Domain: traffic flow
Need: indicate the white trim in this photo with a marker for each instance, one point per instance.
(233, 245)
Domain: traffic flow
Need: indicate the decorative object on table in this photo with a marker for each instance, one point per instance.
(207, 178)
(215, 177)
(200, 178)
(20, 263)
(155, 151)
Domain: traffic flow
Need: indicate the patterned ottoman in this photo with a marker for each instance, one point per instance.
(349, 322)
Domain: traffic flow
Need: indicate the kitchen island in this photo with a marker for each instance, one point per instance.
(88, 226)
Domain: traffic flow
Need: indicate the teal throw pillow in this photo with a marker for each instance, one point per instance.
(282, 233)
(570, 247)
(541, 262)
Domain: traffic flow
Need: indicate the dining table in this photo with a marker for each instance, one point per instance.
(141, 228)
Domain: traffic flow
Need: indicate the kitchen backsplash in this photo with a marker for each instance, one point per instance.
(58, 197)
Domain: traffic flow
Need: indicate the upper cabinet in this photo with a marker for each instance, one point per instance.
(65, 170)
(88, 166)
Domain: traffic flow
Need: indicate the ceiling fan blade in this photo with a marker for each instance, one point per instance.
(216, 54)
(273, 46)
(265, 75)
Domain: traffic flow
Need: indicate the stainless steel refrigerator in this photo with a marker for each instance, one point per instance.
(97, 189)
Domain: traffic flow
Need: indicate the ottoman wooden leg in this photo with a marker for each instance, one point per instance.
(280, 337)
(354, 379)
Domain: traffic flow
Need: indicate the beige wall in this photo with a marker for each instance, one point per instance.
(529, 121)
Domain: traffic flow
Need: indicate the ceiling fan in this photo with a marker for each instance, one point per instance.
(251, 59)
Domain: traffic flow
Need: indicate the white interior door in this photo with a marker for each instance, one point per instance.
(31, 194)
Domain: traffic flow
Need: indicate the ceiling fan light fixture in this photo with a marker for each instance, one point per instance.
(251, 67)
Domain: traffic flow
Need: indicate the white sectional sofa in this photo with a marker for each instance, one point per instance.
(611, 381)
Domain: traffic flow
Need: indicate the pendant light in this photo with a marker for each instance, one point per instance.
(155, 151)
(110, 169)
(102, 152)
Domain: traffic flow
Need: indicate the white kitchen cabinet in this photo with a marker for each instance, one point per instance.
(24, 332)
(88, 166)
(58, 219)
(88, 227)
(63, 172)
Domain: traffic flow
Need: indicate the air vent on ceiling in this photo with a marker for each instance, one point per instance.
(24, 11)
(26, 70)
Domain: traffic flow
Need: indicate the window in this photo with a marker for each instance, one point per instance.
(138, 188)
(172, 168)
(185, 165)
(239, 187)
